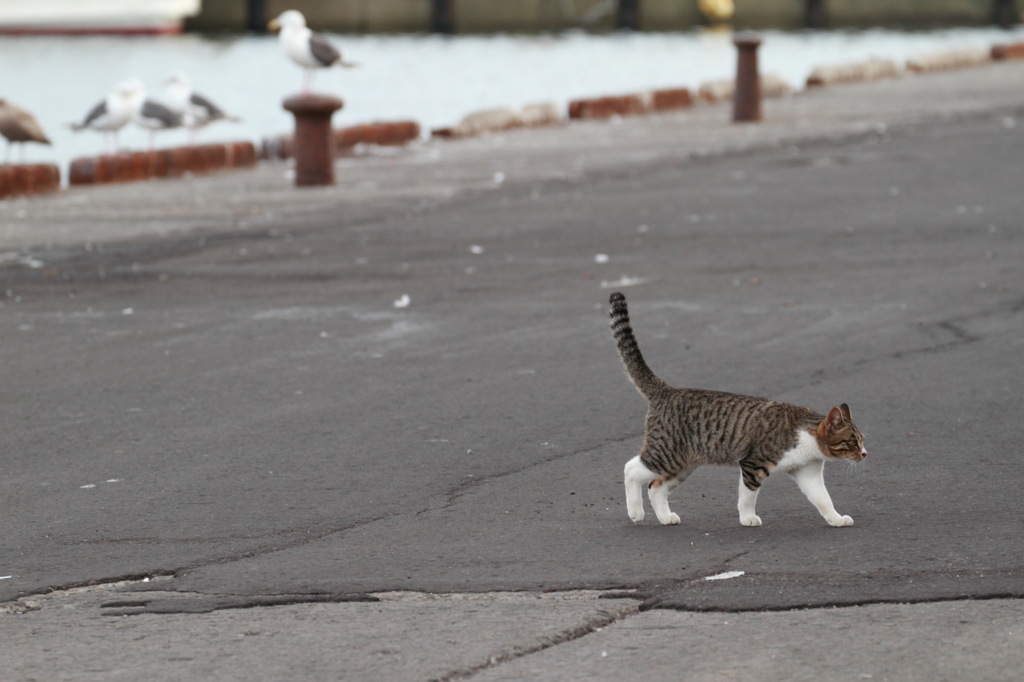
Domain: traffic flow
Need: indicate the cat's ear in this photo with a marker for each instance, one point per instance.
(835, 419)
(845, 409)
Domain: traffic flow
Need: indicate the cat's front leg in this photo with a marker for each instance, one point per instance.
(747, 503)
(811, 479)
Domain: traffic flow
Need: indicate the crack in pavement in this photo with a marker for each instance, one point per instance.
(211, 603)
(465, 486)
(305, 535)
(596, 624)
(396, 635)
(953, 326)
(757, 592)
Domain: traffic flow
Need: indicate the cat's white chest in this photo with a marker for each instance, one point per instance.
(803, 453)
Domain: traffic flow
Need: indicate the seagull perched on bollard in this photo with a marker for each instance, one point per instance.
(114, 112)
(198, 111)
(307, 49)
(18, 125)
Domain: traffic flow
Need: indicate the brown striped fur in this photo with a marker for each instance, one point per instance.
(686, 428)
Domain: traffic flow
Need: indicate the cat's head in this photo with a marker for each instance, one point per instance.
(840, 436)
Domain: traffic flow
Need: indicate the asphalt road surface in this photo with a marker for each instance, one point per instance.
(420, 393)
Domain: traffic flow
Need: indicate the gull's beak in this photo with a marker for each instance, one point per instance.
(273, 25)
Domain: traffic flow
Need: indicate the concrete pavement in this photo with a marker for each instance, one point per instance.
(435, 172)
(89, 634)
(207, 380)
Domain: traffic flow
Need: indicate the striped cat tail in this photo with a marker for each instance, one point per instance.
(639, 373)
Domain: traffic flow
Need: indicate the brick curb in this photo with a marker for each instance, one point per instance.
(25, 179)
(344, 140)
(161, 163)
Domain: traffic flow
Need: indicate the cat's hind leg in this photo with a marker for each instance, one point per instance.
(636, 477)
(747, 504)
(658, 491)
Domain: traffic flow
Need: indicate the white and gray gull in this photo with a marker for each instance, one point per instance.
(115, 112)
(198, 111)
(309, 50)
(155, 116)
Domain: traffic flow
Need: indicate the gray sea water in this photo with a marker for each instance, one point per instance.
(435, 80)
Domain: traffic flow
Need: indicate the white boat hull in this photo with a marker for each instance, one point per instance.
(40, 17)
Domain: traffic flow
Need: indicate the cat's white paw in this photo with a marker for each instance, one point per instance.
(752, 520)
(841, 521)
(671, 520)
(636, 515)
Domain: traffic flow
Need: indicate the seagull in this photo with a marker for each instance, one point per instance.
(18, 125)
(198, 111)
(114, 112)
(155, 116)
(307, 49)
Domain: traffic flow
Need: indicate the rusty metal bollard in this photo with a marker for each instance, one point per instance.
(746, 104)
(314, 150)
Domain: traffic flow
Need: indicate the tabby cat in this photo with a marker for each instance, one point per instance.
(688, 427)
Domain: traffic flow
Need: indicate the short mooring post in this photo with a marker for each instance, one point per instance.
(256, 16)
(314, 147)
(629, 15)
(746, 104)
(1004, 13)
(814, 14)
(442, 17)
